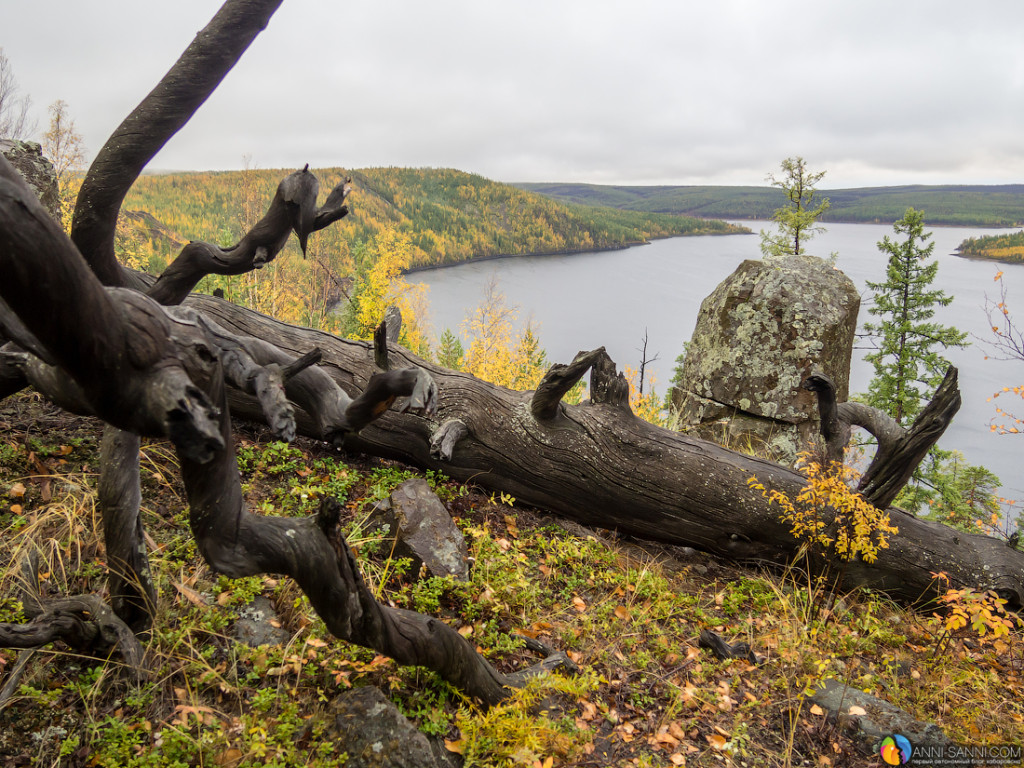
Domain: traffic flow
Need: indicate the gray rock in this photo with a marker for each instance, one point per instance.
(424, 530)
(253, 627)
(881, 718)
(27, 159)
(375, 734)
(759, 334)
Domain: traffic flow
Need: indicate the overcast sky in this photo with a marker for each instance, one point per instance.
(669, 92)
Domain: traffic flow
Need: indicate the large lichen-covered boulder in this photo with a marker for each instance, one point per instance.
(27, 159)
(762, 331)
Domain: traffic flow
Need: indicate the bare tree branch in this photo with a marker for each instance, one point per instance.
(160, 115)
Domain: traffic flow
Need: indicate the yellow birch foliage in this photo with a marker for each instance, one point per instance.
(383, 285)
(984, 613)
(130, 247)
(647, 406)
(497, 352)
(829, 513)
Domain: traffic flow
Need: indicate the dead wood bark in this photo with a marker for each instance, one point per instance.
(231, 539)
(83, 622)
(600, 465)
(132, 591)
(900, 450)
(160, 115)
(314, 552)
(293, 209)
(147, 371)
(126, 367)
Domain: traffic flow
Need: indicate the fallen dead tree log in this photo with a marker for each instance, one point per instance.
(599, 464)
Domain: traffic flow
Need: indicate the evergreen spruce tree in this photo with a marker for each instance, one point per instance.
(908, 364)
(909, 367)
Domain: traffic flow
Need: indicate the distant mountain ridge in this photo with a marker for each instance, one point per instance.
(950, 204)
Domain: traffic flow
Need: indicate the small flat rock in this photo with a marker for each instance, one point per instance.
(375, 734)
(424, 530)
(253, 627)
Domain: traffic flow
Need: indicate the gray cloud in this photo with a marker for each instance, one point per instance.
(645, 92)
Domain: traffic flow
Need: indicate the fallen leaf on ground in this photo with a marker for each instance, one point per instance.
(193, 597)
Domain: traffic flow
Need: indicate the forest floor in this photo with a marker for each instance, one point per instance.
(628, 612)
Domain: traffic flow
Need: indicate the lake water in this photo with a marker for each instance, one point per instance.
(611, 298)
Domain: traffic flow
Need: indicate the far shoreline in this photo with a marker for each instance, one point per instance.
(564, 252)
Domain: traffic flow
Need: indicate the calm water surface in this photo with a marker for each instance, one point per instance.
(612, 298)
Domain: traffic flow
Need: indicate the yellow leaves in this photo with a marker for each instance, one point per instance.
(672, 738)
(190, 594)
(828, 501)
(383, 285)
(497, 352)
(626, 731)
(688, 695)
(983, 612)
(589, 711)
(665, 738)
(717, 741)
(725, 701)
(647, 406)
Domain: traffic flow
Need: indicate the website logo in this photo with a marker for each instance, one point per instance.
(896, 750)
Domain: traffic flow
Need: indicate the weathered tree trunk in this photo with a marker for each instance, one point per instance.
(601, 465)
(164, 111)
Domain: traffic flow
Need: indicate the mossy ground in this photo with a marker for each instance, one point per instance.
(629, 613)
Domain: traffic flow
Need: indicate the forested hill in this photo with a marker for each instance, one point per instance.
(979, 206)
(449, 216)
